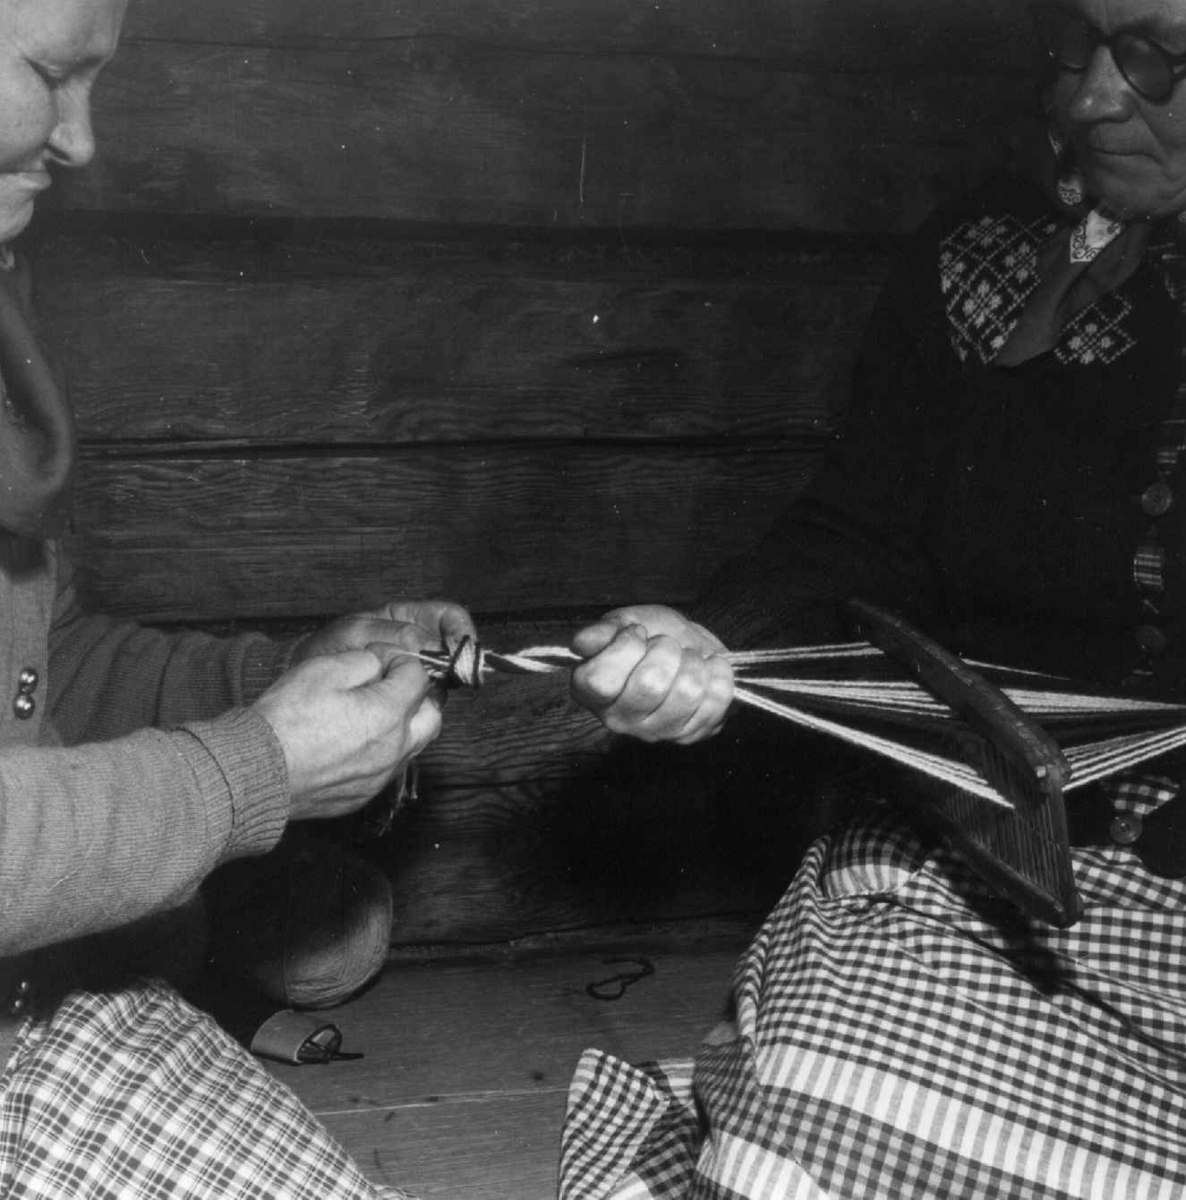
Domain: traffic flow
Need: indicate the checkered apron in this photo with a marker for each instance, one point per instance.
(137, 1094)
(902, 1033)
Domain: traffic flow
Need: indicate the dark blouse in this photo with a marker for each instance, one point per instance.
(997, 508)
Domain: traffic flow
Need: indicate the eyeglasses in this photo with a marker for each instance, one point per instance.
(1071, 42)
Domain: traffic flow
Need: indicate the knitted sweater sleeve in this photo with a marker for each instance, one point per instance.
(95, 836)
(166, 774)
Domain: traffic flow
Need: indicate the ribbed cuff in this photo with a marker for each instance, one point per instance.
(240, 759)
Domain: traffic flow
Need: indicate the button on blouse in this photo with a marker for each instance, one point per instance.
(24, 705)
(1157, 499)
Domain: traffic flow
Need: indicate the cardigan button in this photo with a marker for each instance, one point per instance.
(1150, 639)
(1156, 499)
(19, 997)
(24, 705)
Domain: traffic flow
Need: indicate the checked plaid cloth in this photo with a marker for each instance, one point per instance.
(900, 1033)
(136, 1094)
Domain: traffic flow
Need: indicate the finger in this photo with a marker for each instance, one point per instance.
(412, 704)
(425, 723)
(714, 706)
(677, 687)
(404, 681)
(455, 624)
(407, 634)
(441, 618)
(349, 669)
(594, 638)
(392, 655)
(648, 686)
(599, 681)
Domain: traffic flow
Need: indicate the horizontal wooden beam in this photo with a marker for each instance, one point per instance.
(824, 34)
(386, 344)
(495, 527)
(458, 132)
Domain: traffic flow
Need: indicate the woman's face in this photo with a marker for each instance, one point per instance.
(50, 53)
(1131, 151)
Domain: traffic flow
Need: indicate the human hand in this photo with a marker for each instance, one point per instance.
(348, 721)
(653, 674)
(410, 625)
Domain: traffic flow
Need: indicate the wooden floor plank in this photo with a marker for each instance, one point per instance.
(456, 1030)
(496, 1148)
(467, 1061)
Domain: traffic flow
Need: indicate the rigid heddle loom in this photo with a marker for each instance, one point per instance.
(996, 749)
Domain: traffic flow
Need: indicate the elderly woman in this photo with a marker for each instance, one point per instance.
(1010, 480)
(133, 763)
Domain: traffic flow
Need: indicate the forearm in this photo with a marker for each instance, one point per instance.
(95, 836)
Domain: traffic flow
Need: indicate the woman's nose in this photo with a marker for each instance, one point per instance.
(73, 138)
(1103, 93)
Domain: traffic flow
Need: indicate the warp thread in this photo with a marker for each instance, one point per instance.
(1045, 698)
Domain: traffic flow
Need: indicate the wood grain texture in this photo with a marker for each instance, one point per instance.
(664, 843)
(497, 527)
(397, 343)
(857, 33)
(488, 1147)
(569, 856)
(428, 1053)
(456, 132)
(461, 1091)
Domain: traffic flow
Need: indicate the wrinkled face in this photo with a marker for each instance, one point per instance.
(1132, 152)
(50, 54)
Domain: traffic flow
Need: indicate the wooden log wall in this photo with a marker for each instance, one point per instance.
(543, 307)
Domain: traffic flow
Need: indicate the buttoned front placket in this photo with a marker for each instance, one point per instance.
(1158, 831)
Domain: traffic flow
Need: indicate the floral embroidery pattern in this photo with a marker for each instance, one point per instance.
(1097, 334)
(988, 269)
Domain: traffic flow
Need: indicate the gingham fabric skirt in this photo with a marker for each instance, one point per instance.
(899, 1033)
(137, 1095)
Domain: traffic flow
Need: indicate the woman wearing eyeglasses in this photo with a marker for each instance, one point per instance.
(1011, 479)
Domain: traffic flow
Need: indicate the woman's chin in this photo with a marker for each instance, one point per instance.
(1131, 195)
(14, 220)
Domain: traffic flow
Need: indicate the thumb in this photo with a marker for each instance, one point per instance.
(343, 671)
(416, 698)
(392, 655)
(594, 638)
(403, 679)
